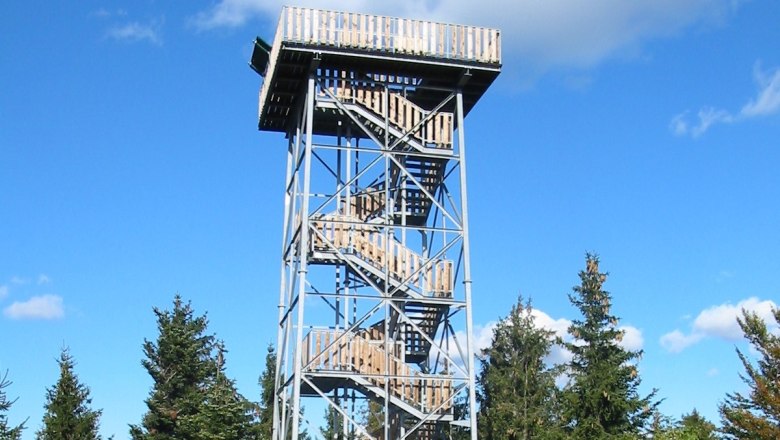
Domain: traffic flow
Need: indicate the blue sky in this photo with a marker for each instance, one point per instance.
(131, 169)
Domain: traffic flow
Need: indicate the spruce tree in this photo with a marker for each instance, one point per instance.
(601, 400)
(517, 392)
(68, 414)
(265, 407)
(756, 416)
(225, 414)
(181, 365)
(267, 392)
(7, 432)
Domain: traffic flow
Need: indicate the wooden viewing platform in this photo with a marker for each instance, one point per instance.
(378, 33)
(431, 56)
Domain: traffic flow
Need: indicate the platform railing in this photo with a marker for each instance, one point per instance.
(332, 350)
(391, 34)
(408, 117)
(434, 277)
(277, 45)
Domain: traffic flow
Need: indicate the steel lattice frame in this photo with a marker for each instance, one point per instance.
(328, 296)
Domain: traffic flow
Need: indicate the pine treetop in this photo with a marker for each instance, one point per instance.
(68, 414)
(602, 397)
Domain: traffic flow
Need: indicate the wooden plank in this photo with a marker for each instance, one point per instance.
(428, 279)
(307, 35)
(318, 347)
(305, 350)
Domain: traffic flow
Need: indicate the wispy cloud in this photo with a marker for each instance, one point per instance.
(138, 32)
(43, 279)
(233, 13)
(19, 280)
(3, 291)
(766, 102)
(37, 307)
(106, 13)
(717, 322)
(545, 34)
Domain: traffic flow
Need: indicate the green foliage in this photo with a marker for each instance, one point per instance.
(191, 397)
(265, 408)
(68, 414)
(601, 400)
(7, 432)
(334, 426)
(757, 415)
(374, 418)
(690, 427)
(225, 414)
(266, 405)
(517, 393)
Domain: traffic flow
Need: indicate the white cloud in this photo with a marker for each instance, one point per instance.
(3, 291)
(559, 326)
(545, 34)
(632, 338)
(712, 372)
(719, 322)
(137, 32)
(233, 13)
(483, 336)
(37, 307)
(767, 102)
(43, 279)
(676, 341)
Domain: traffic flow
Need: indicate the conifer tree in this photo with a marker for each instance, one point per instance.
(517, 392)
(601, 400)
(225, 414)
(68, 413)
(7, 432)
(191, 397)
(266, 405)
(756, 416)
(180, 363)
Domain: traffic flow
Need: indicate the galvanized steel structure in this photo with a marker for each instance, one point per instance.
(374, 314)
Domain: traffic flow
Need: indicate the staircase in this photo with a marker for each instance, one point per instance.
(369, 249)
(337, 351)
(354, 236)
(423, 130)
(411, 203)
(418, 130)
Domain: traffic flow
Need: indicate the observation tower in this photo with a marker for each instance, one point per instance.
(374, 318)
